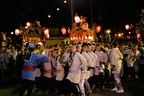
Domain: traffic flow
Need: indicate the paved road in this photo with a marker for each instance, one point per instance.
(131, 87)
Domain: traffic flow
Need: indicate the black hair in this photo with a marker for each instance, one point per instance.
(115, 44)
(84, 44)
(31, 49)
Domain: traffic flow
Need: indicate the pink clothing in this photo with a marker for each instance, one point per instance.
(48, 68)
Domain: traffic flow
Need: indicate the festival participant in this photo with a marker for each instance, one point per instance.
(99, 68)
(3, 64)
(58, 71)
(30, 64)
(131, 59)
(83, 73)
(13, 55)
(47, 72)
(94, 58)
(76, 63)
(89, 64)
(116, 62)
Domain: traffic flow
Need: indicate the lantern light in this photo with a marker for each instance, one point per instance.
(127, 27)
(98, 29)
(65, 1)
(58, 9)
(90, 37)
(77, 19)
(26, 27)
(47, 36)
(138, 35)
(12, 33)
(28, 24)
(17, 31)
(85, 26)
(49, 16)
(46, 31)
(63, 30)
(119, 34)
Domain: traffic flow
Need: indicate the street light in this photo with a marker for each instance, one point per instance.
(58, 9)
(108, 31)
(119, 34)
(12, 33)
(49, 16)
(65, 1)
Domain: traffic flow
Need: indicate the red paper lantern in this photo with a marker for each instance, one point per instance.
(127, 27)
(47, 36)
(77, 19)
(98, 29)
(28, 24)
(17, 31)
(85, 26)
(138, 35)
(63, 30)
(46, 31)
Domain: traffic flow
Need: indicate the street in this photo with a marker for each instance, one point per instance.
(132, 88)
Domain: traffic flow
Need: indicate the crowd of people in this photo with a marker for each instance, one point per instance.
(77, 69)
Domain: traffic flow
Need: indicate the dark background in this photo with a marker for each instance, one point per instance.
(114, 13)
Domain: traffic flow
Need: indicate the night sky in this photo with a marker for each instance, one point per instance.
(117, 12)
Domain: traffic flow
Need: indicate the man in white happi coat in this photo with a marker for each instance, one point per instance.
(116, 62)
(76, 63)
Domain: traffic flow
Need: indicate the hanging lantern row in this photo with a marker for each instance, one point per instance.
(46, 31)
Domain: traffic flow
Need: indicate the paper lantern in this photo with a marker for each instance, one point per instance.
(17, 31)
(127, 27)
(46, 31)
(63, 30)
(77, 19)
(85, 26)
(47, 36)
(98, 29)
(28, 24)
(138, 35)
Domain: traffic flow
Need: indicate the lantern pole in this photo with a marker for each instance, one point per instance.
(72, 13)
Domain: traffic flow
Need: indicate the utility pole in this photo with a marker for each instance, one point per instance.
(72, 14)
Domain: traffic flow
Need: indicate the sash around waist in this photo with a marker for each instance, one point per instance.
(28, 68)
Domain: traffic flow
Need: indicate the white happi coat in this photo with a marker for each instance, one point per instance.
(93, 63)
(115, 59)
(100, 58)
(79, 62)
(89, 63)
(130, 59)
(59, 71)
